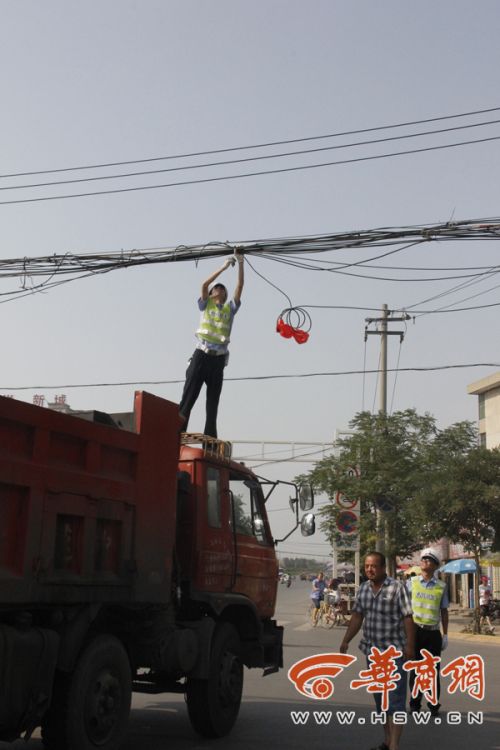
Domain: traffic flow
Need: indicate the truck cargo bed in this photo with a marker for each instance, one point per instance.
(87, 511)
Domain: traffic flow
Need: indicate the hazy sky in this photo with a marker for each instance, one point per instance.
(120, 80)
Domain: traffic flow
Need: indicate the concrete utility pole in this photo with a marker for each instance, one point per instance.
(383, 360)
(382, 543)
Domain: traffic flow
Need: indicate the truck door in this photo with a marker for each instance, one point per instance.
(215, 555)
(256, 567)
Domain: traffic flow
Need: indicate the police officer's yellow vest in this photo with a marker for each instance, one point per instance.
(215, 323)
(426, 602)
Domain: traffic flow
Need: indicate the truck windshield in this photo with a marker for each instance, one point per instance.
(247, 508)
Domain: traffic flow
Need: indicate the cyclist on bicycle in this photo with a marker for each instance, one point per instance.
(335, 606)
(317, 595)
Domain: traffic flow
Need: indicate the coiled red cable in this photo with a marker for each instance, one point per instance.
(294, 322)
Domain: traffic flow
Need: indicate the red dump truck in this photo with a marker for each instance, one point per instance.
(128, 563)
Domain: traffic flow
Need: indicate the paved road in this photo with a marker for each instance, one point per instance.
(161, 723)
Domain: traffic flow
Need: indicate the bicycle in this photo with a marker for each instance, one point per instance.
(485, 627)
(331, 616)
(334, 613)
(315, 614)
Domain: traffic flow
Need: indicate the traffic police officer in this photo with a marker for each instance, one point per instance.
(429, 599)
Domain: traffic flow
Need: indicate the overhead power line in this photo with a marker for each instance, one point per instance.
(62, 268)
(242, 175)
(244, 378)
(337, 267)
(265, 144)
(242, 160)
(69, 263)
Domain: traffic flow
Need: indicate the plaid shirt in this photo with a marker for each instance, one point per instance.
(383, 614)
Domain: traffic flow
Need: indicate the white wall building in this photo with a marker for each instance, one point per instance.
(488, 392)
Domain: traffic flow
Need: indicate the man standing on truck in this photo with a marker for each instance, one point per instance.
(211, 355)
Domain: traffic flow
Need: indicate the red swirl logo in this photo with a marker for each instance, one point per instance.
(314, 675)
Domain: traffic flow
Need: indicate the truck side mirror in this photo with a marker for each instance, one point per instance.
(306, 497)
(308, 524)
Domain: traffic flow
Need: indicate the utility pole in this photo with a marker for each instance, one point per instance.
(382, 540)
(383, 359)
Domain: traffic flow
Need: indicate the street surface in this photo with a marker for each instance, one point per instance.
(161, 722)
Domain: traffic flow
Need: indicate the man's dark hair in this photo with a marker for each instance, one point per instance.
(380, 556)
(222, 287)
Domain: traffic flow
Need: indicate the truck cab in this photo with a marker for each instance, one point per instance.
(224, 542)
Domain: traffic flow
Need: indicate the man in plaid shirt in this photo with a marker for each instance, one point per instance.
(383, 607)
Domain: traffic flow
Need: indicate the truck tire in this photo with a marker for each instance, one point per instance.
(91, 706)
(213, 704)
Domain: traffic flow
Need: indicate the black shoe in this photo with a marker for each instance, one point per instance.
(435, 709)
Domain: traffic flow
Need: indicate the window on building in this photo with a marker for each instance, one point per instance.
(482, 439)
(482, 400)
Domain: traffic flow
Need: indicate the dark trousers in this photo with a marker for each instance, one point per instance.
(205, 369)
(432, 641)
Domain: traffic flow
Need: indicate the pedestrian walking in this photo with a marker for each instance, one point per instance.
(485, 599)
(382, 606)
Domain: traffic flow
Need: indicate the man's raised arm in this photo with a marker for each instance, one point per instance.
(211, 279)
(239, 283)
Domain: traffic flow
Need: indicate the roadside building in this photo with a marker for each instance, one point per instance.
(487, 391)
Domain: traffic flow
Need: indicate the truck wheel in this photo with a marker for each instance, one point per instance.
(213, 704)
(90, 707)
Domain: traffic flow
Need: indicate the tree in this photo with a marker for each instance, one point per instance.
(394, 455)
(429, 483)
(461, 499)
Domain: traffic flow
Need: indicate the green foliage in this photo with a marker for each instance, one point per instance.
(461, 498)
(422, 476)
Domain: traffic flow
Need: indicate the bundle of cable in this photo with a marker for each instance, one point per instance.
(290, 324)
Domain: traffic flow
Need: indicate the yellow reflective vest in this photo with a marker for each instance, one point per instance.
(426, 602)
(215, 323)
